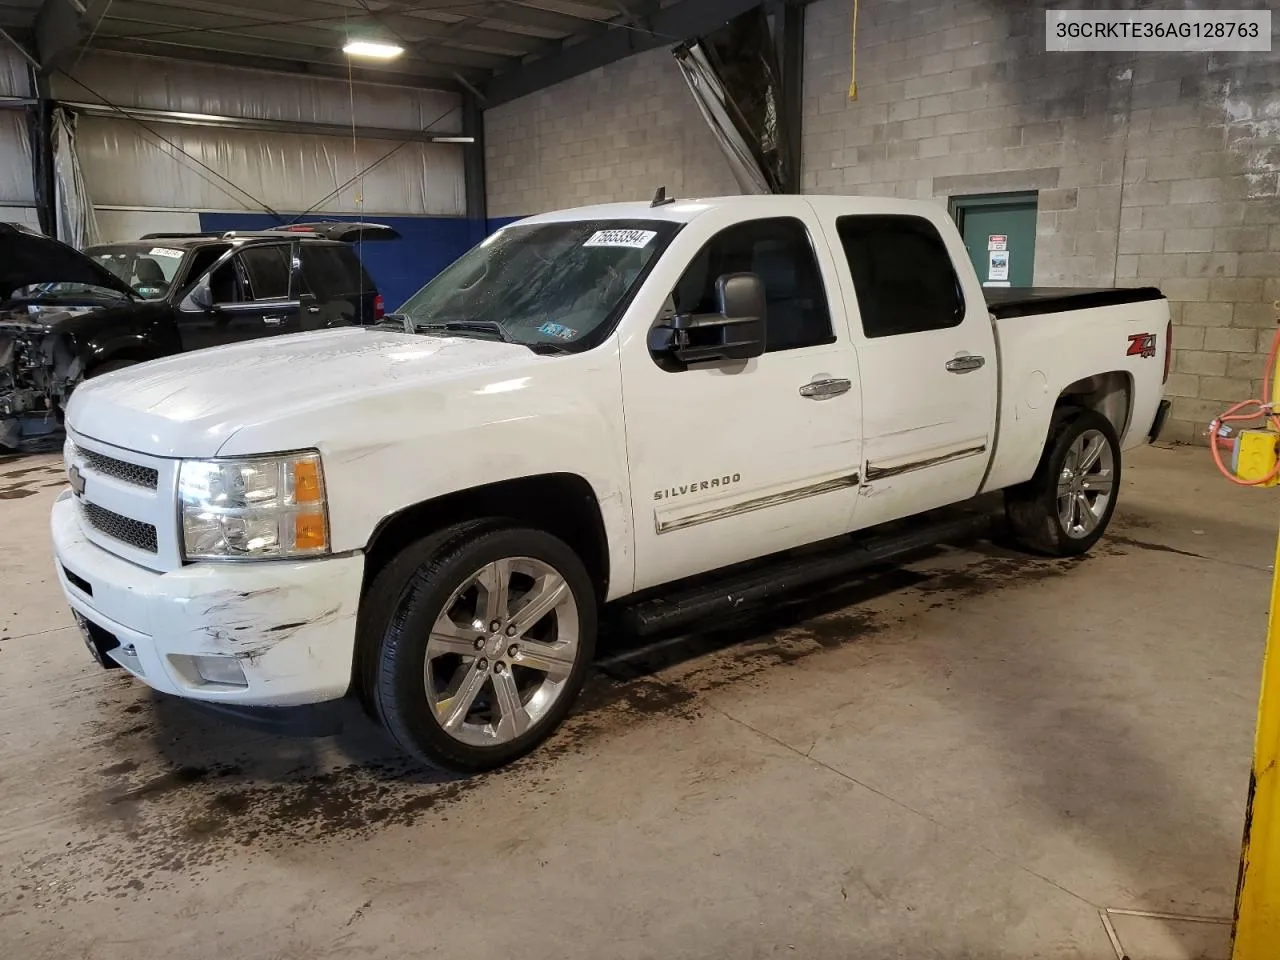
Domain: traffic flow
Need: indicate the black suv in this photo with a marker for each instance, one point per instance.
(66, 315)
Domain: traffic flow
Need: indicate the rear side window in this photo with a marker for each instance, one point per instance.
(778, 251)
(268, 268)
(330, 272)
(902, 275)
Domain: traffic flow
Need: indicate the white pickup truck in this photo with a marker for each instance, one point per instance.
(606, 404)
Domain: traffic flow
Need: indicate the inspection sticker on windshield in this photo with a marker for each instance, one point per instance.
(635, 239)
(558, 331)
(164, 252)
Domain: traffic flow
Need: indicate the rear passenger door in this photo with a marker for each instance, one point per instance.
(927, 358)
(735, 459)
(273, 306)
(336, 290)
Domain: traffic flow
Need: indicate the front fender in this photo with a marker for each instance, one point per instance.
(388, 450)
(139, 332)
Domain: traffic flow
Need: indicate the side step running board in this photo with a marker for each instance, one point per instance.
(732, 591)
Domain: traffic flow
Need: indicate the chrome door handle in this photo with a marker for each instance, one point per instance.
(965, 364)
(825, 389)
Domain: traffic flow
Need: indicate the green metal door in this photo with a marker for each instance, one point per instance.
(999, 232)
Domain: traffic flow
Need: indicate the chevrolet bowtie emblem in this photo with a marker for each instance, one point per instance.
(76, 478)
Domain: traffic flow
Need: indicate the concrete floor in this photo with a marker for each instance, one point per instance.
(969, 757)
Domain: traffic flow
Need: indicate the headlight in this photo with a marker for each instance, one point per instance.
(256, 508)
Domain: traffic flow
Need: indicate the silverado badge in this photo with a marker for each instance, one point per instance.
(696, 486)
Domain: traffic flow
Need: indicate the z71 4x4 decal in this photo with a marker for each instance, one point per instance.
(1142, 345)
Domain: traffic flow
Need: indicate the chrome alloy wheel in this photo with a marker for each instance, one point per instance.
(500, 653)
(1086, 484)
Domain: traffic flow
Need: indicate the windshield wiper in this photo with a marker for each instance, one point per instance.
(398, 321)
(468, 326)
(395, 321)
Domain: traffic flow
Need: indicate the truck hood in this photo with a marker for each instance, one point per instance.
(28, 258)
(190, 405)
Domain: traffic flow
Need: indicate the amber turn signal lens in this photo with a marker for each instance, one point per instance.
(306, 481)
(309, 532)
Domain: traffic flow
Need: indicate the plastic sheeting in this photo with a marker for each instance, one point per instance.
(125, 165)
(17, 185)
(255, 94)
(27, 216)
(15, 76)
(121, 225)
(734, 77)
(76, 223)
(712, 101)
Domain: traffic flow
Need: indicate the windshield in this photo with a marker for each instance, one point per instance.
(545, 283)
(147, 269)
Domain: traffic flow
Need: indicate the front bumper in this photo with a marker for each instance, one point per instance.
(290, 627)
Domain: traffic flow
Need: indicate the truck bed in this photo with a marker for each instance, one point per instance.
(1008, 302)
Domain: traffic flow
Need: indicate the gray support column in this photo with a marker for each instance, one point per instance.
(40, 130)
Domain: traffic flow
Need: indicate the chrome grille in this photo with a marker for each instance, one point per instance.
(122, 470)
(126, 530)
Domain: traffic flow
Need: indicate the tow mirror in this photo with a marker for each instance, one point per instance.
(199, 299)
(737, 332)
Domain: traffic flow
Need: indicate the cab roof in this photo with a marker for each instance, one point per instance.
(685, 210)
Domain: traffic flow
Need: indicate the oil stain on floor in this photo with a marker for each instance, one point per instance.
(22, 482)
(178, 793)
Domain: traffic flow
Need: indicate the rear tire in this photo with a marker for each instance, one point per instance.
(449, 688)
(1066, 506)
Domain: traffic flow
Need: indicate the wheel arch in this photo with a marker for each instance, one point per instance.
(562, 504)
(132, 349)
(1110, 394)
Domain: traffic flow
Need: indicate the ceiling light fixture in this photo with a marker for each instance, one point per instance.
(372, 50)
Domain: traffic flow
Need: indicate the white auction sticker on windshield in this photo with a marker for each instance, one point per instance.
(164, 252)
(635, 239)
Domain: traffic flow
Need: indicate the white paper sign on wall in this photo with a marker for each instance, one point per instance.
(998, 241)
(998, 265)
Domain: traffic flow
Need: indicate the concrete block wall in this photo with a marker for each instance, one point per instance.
(617, 133)
(1154, 169)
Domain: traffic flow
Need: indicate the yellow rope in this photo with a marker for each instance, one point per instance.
(853, 58)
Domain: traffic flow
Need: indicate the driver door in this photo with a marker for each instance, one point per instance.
(737, 459)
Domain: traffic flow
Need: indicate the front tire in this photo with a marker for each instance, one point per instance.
(487, 638)
(1065, 507)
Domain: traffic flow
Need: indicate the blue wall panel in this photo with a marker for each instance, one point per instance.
(398, 267)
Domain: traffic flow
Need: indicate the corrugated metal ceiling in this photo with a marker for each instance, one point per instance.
(448, 43)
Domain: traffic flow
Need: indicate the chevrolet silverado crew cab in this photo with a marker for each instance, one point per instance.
(642, 404)
(67, 315)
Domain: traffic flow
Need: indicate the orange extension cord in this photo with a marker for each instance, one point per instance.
(1233, 415)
